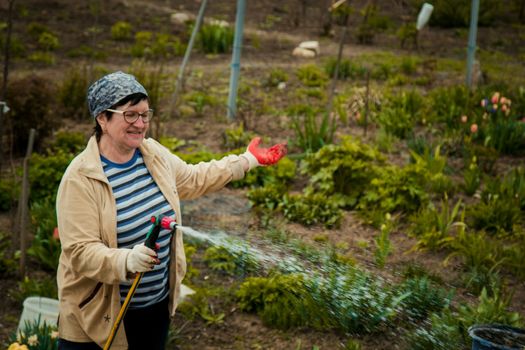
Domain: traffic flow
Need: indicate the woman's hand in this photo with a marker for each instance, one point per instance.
(256, 155)
(141, 259)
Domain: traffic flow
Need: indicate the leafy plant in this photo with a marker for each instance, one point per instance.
(494, 214)
(347, 69)
(45, 246)
(199, 304)
(48, 41)
(434, 228)
(45, 174)
(311, 130)
(215, 38)
(343, 170)
(236, 137)
(275, 77)
(311, 75)
(8, 264)
(471, 177)
(121, 31)
(43, 287)
(372, 24)
(382, 242)
(35, 335)
(8, 193)
(400, 113)
(424, 298)
(281, 301)
(200, 101)
(72, 91)
(310, 209)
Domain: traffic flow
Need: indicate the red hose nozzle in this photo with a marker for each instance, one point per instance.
(168, 223)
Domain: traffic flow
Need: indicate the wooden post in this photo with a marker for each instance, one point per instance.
(367, 100)
(24, 198)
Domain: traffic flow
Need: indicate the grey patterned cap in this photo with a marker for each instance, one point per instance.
(110, 89)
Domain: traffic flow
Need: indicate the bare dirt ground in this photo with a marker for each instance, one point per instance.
(229, 210)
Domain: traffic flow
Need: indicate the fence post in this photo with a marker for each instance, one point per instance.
(24, 198)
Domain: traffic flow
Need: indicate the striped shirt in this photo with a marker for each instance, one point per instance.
(138, 198)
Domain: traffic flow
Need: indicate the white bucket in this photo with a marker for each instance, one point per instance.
(34, 307)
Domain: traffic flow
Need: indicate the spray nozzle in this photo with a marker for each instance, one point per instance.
(168, 223)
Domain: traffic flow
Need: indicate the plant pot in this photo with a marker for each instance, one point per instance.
(39, 308)
(497, 337)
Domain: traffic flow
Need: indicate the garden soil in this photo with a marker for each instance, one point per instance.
(229, 209)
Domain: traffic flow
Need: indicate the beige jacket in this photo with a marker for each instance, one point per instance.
(91, 266)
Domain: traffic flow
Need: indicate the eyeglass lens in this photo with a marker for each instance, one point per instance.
(132, 116)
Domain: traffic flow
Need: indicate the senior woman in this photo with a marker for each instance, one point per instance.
(105, 201)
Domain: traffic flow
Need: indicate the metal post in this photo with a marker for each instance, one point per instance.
(471, 48)
(236, 59)
(186, 58)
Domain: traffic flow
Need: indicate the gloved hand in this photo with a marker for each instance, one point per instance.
(141, 259)
(257, 156)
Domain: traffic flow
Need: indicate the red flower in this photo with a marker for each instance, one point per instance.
(474, 128)
(55, 234)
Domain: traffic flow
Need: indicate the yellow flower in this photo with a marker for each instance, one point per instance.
(20, 336)
(32, 340)
(14, 346)
(54, 334)
(23, 347)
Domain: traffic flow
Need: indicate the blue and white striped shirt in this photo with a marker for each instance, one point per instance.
(139, 198)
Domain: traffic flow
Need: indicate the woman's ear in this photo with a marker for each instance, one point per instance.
(102, 119)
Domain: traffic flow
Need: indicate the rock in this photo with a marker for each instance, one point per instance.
(302, 52)
(311, 45)
(181, 18)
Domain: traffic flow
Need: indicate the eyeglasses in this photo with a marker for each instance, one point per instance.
(132, 116)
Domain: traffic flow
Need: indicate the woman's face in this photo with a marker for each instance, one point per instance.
(121, 136)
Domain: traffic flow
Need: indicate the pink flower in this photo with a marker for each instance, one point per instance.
(504, 108)
(484, 102)
(55, 234)
(495, 97)
(474, 128)
(502, 100)
(464, 119)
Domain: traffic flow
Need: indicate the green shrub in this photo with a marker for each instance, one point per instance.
(343, 170)
(281, 301)
(447, 104)
(275, 77)
(313, 128)
(215, 38)
(311, 76)
(8, 193)
(396, 189)
(72, 93)
(310, 209)
(471, 177)
(48, 41)
(382, 243)
(45, 247)
(198, 304)
(280, 174)
(267, 197)
(236, 137)
(347, 69)
(424, 298)
(401, 113)
(8, 265)
(42, 287)
(220, 259)
(372, 24)
(45, 174)
(121, 31)
(200, 101)
(494, 214)
(31, 101)
(44, 57)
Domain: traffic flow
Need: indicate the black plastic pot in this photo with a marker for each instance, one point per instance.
(496, 337)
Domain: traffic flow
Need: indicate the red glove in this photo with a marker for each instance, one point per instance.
(264, 156)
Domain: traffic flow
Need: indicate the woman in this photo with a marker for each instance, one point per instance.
(105, 201)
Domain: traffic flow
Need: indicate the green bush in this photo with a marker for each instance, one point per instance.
(8, 265)
(447, 104)
(310, 209)
(347, 69)
(313, 128)
(424, 298)
(45, 247)
(72, 93)
(48, 41)
(8, 194)
(400, 113)
(220, 259)
(343, 170)
(311, 76)
(42, 287)
(121, 31)
(280, 174)
(494, 214)
(45, 174)
(31, 101)
(215, 38)
(267, 197)
(281, 301)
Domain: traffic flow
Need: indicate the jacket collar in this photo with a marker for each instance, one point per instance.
(91, 166)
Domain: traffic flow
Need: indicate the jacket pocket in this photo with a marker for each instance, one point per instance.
(90, 296)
